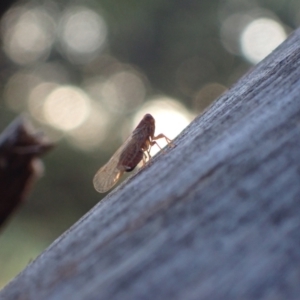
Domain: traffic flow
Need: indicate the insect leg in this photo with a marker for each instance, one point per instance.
(148, 151)
(160, 136)
(153, 142)
(144, 159)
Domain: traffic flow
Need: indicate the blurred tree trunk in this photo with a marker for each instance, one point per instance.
(216, 217)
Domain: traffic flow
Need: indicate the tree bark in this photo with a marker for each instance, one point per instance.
(215, 217)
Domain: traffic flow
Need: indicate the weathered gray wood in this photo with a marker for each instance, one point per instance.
(216, 217)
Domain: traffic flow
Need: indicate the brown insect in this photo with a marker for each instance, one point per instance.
(129, 154)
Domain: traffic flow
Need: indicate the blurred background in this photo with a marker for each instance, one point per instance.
(85, 72)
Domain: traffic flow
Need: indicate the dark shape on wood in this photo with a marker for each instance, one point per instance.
(20, 149)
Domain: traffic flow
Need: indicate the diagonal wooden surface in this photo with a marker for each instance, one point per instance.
(216, 217)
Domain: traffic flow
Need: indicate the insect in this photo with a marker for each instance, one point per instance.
(129, 155)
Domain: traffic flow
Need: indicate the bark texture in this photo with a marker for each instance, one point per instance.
(216, 217)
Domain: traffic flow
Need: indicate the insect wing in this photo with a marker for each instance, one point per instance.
(108, 175)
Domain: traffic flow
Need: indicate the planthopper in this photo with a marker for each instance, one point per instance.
(135, 149)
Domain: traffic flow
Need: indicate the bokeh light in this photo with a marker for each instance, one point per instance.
(123, 92)
(37, 97)
(66, 108)
(249, 30)
(231, 30)
(18, 88)
(91, 133)
(83, 34)
(261, 37)
(206, 95)
(28, 34)
(171, 117)
(52, 72)
(192, 72)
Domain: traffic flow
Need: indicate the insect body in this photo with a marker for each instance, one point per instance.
(128, 155)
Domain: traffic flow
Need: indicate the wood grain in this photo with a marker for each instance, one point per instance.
(216, 217)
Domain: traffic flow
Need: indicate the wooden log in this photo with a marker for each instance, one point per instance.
(20, 166)
(216, 217)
